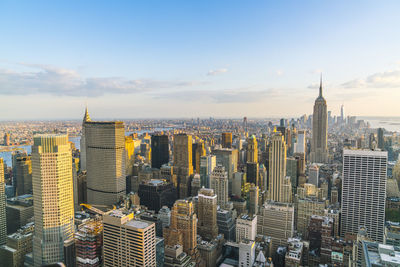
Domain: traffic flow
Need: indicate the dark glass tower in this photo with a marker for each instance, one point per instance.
(159, 150)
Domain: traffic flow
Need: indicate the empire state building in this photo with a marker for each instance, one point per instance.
(319, 144)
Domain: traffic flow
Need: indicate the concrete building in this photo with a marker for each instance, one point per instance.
(306, 207)
(3, 221)
(313, 175)
(364, 192)
(294, 254)
(252, 172)
(53, 201)
(183, 165)
(164, 214)
(253, 201)
(319, 142)
(246, 227)
(219, 183)
(176, 257)
(105, 160)
(237, 182)
(207, 214)
(300, 146)
(392, 233)
(375, 254)
(183, 228)
(18, 245)
(277, 221)
(19, 211)
(211, 251)
(198, 151)
(277, 167)
(252, 149)
(247, 253)
(127, 241)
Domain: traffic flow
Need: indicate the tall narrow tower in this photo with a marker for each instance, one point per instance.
(3, 224)
(86, 118)
(183, 166)
(319, 144)
(207, 210)
(53, 197)
(277, 167)
(252, 149)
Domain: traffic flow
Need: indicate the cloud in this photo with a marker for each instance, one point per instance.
(217, 72)
(279, 72)
(64, 82)
(387, 79)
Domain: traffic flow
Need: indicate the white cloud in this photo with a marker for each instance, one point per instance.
(52, 80)
(217, 72)
(387, 79)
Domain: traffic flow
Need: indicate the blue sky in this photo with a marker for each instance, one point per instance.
(141, 59)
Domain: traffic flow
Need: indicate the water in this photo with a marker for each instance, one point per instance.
(389, 123)
(7, 156)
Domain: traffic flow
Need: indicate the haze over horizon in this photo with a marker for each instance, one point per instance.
(226, 59)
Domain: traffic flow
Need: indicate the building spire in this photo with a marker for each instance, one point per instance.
(86, 117)
(320, 86)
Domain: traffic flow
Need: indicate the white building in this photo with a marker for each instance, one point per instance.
(246, 227)
(247, 253)
(364, 192)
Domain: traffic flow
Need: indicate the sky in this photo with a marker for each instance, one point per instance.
(189, 59)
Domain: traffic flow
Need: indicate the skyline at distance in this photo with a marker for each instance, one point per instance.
(176, 59)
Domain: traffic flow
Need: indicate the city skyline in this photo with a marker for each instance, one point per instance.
(139, 60)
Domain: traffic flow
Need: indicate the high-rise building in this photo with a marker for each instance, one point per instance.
(247, 253)
(207, 165)
(53, 195)
(246, 227)
(183, 228)
(226, 225)
(164, 214)
(89, 244)
(306, 207)
(300, 146)
(364, 192)
(277, 167)
(198, 151)
(157, 193)
(86, 118)
(381, 140)
(252, 149)
(319, 144)
(252, 172)
(313, 175)
(19, 212)
(207, 213)
(219, 182)
(3, 222)
(159, 150)
(226, 141)
(277, 221)
(127, 241)
(183, 167)
(105, 160)
(23, 174)
(253, 200)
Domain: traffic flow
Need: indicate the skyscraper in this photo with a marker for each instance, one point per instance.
(52, 197)
(3, 222)
(105, 160)
(207, 211)
(226, 141)
(183, 167)
(183, 228)
(252, 149)
(207, 165)
(86, 118)
(219, 182)
(364, 192)
(23, 174)
(127, 241)
(319, 144)
(381, 140)
(159, 150)
(277, 167)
